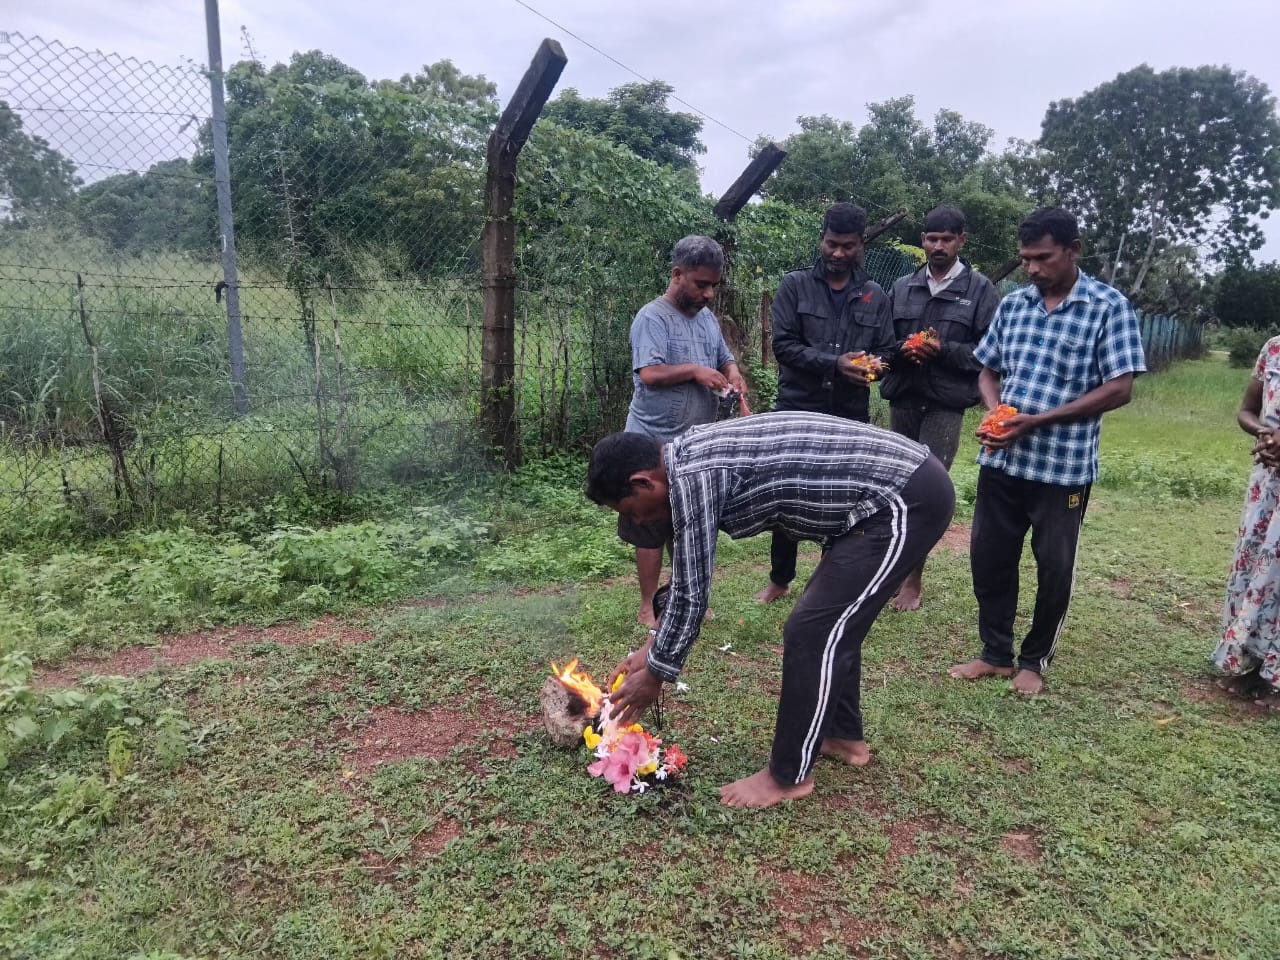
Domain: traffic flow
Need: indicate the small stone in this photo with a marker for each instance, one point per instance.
(561, 713)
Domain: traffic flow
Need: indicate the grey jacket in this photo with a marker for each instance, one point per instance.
(961, 314)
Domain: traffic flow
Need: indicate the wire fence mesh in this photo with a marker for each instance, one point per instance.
(359, 211)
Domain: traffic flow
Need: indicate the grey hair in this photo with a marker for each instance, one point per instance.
(693, 252)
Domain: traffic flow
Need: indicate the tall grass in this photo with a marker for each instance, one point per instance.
(371, 382)
(1179, 435)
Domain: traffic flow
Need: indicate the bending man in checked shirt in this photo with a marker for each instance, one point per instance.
(875, 500)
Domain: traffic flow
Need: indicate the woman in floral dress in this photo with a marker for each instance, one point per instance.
(1250, 646)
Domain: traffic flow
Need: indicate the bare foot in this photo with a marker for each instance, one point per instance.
(646, 617)
(761, 790)
(1271, 701)
(908, 596)
(852, 752)
(977, 668)
(1028, 682)
(1246, 685)
(771, 593)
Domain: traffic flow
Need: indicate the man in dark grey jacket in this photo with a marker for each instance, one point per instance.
(930, 385)
(825, 319)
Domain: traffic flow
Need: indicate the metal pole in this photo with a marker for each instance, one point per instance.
(222, 179)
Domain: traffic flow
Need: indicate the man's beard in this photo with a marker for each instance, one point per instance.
(688, 304)
(837, 268)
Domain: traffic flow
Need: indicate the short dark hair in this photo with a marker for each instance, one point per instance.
(1052, 222)
(845, 218)
(614, 459)
(944, 218)
(689, 253)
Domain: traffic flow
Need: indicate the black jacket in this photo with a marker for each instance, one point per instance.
(961, 314)
(808, 338)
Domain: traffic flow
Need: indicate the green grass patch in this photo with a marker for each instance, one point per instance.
(236, 808)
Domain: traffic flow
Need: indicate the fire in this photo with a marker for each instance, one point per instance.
(580, 683)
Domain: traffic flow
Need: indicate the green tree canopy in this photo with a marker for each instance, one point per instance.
(636, 116)
(1188, 156)
(1249, 296)
(894, 161)
(170, 207)
(35, 179)
(326, 164)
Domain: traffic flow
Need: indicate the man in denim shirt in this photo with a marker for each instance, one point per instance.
(823, 319)
(1063, 351)
(680, 363)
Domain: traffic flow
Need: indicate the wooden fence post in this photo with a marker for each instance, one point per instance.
(892, 220)
(730, 303)
(497, 374)
(749, 181)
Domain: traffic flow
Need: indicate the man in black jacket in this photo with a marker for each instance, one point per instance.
(931, 384)
(825, 319)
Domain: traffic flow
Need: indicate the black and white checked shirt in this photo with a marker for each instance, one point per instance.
(808, 475)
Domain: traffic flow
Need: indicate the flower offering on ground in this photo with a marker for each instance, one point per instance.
(630, 758)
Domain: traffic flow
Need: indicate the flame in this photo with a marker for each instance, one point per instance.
(581, 684)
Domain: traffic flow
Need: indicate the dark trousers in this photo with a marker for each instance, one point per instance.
(1006, 507)
(822, 639)
(782, 558)
(938, 428)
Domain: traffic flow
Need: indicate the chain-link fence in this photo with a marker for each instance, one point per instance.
(359, 209)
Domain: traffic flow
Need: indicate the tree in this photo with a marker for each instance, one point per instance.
(894, 161)
(1175, 284)
(444, 82)
(1249, 296)
(170, 207)
(326, 165)
(1184, 157)
(35, 179)
(636, 116)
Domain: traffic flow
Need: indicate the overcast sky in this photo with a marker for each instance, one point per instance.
(753, 65)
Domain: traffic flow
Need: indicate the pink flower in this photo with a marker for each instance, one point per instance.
(619, 767)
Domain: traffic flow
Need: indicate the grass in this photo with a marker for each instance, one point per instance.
(397, 405)
(1129, 813)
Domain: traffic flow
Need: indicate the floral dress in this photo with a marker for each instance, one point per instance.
(1251, 615)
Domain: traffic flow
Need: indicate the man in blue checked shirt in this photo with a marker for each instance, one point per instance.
(1063, 351)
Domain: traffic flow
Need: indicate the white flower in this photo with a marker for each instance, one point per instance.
(681, 687)
(725, 648)
(660, 773)
(638, 786)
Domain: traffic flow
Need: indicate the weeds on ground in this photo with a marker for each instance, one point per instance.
(396, 798)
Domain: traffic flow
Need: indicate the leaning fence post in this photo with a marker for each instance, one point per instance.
(497, 374)
(222, 181)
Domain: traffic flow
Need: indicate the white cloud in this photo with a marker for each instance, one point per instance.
(753, 64)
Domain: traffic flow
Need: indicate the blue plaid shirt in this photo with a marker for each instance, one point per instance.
(1047, 359)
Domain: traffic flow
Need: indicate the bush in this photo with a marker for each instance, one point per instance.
(1243, 345)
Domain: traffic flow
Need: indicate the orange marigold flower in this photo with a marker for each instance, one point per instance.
(993, 423)
(920, 338)
(873, 365)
